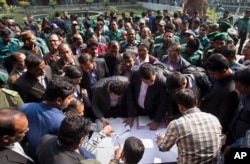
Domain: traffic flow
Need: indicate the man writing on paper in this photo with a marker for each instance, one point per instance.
(147, 95)
(197, 134)
(108, 98)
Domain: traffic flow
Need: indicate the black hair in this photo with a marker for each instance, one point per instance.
(33, 61)
(128, 55)
(72, 105)
(72, 129)
(186, 98)
(4, 33)
(229, 51)
(204, 25)
(216, 62)
(242, 76)
(73, 71)
(92, 42)
(146, 71)
(114, 43)
(87, 24)
(116, 86)
(175, 80)
(84, 58)
(58, 87)
(8, 116)
(133, 150)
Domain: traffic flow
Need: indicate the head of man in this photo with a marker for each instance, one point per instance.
(203, 30)
(247, 13)
(184, 26)
(130, 35)
(65, 52)
(92, 47)
(143, 50)
(73, 131)
(133, 150)
(219, 41)
(59, 92)
(114, 26)
(175, 82)
(225, 14)
(74, 74)
(116, 88)
(242, 80)
(145, 32)
(168, 36)
(18, 59)
(30, 18)
(195, 24)
(246, 50)
(35, 65)
(229, 51)
(13, 126)
(86, 62)
(186, 99)
(6, 36)
(75, 107)
(192, 46)
(28, 38)
(217, 66)
(113, 49)
(174, 52)
(54, 42)
(188, 34)
(77, 39)
(128, 60)
(147, 73)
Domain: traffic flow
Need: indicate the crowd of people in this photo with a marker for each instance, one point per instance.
(58, 77)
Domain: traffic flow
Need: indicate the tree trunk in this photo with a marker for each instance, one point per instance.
(200, 5)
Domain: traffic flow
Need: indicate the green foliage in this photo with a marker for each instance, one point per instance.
(11, 9)
(105, 3)
(24, 4)
(53, 4)
(113, 9)
(2, 3)
(89, 2)
(212, 14)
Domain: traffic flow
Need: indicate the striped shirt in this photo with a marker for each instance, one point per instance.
(197, 135)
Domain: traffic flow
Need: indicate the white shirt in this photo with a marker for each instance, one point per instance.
(142, 94)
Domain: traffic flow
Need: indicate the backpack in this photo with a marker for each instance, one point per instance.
(161, 67)
(200, 76)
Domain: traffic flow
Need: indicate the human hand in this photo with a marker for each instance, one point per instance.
(104, 121)
(153, 125)
(120, 69)
(118, 152)
(129, 121)
(35, 49)
(108, 130)
(159, 137)
(84, 93)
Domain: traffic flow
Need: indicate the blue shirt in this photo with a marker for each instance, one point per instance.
(43, 119)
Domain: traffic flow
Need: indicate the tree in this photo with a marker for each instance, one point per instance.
(200, 5)
(24, 4)
(89, 2)
(53, 4)
(105, 3)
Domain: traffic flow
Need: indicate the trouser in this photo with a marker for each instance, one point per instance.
(242, 37)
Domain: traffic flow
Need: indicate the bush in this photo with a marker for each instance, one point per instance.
(113, 9)
(53, 4)
(24, 4)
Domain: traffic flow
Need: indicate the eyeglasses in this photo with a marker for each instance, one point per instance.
(53, 40)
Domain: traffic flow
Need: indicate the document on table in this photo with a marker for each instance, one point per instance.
(143, 121)
(118, 126)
